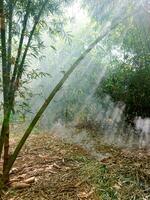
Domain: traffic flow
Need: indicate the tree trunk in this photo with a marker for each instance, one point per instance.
(5, 76)
(1, 185)
(6, 150)
(5, 137)
(5, 141)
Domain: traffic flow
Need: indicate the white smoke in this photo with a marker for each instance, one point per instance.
(143, 129)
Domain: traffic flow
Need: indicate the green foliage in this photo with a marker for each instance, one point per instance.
(49, 20)
(128, 77)
(130, 86)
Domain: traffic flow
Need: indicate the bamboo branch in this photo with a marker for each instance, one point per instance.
(3, 44)
(20, 71)
(10, 37)
(26, 16)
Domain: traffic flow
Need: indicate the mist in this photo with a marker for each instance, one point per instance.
(77, 104)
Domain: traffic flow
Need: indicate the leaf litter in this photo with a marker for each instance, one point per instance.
(49, 168)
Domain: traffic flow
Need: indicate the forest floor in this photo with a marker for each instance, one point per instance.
(48, 168)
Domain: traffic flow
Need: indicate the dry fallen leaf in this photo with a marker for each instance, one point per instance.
(14, 170)
(117, 186)
(20, 185)
(56, 166)
(14, 180)
(44, 157)
(22, 176)
(50, 167)
(82, 195)
(65, 169)
(30, 180)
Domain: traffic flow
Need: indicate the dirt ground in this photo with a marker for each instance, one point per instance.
(48, 168)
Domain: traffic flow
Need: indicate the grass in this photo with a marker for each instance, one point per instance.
(118, 180)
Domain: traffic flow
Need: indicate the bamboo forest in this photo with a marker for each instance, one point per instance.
(74, 99)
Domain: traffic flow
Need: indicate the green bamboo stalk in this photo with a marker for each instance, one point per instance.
(51, 96)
